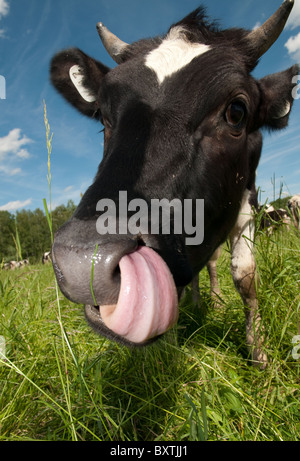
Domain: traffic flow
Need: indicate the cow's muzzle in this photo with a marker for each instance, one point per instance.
(127, 288)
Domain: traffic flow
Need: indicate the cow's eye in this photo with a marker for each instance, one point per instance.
(236, 114)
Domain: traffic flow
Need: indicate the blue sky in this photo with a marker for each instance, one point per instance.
(32, 31)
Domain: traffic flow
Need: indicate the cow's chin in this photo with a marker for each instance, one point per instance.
(147, 305)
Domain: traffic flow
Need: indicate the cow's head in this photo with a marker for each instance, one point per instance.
(181, 118)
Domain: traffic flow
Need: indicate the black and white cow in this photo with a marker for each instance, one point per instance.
(181, 115)
(46, 258)
(12, 265)
(294, 207)
(271, 219)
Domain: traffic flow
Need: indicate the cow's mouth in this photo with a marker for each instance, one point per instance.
(147, 305)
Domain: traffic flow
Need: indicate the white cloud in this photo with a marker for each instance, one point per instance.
(12, 147)
(294, 19)
(10, 171)
(4, 8)
(293, 46)
(13, 144)
(68, 189)
(12, 206)
(257, 25)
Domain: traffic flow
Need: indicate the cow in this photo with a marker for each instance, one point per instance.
(294, 207)
(12, 265)
(22, 264)
(182, 116)
(271, 219)
(46, 258)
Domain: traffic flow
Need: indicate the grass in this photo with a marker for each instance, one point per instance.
(60, 381)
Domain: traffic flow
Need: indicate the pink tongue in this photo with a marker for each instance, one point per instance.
(148, 303)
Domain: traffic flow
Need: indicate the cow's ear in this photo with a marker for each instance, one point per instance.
(78, 78)
(277, 93)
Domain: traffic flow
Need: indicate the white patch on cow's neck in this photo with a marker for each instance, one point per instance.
(76, 77)
(174, 53)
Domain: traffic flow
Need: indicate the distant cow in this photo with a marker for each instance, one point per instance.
(46, 257)
(25, 262)
(294, 207)
(12, 265)
(182, 116)
(272, 219)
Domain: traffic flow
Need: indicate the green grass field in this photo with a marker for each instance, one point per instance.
(60, 381)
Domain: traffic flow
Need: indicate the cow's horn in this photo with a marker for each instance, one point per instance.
(262, 39)
(114, 46)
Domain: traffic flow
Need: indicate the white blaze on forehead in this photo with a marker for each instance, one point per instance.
(174, 53)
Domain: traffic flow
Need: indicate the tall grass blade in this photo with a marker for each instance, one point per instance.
(49, 137)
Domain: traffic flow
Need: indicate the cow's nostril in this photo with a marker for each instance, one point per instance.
(140, 241)
(117, 274)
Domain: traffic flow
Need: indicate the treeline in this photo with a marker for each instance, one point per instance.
(281, 202)
(27, 232)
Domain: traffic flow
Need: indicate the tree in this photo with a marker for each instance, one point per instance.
(7, 229)
(32, 230)
(61, 214)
